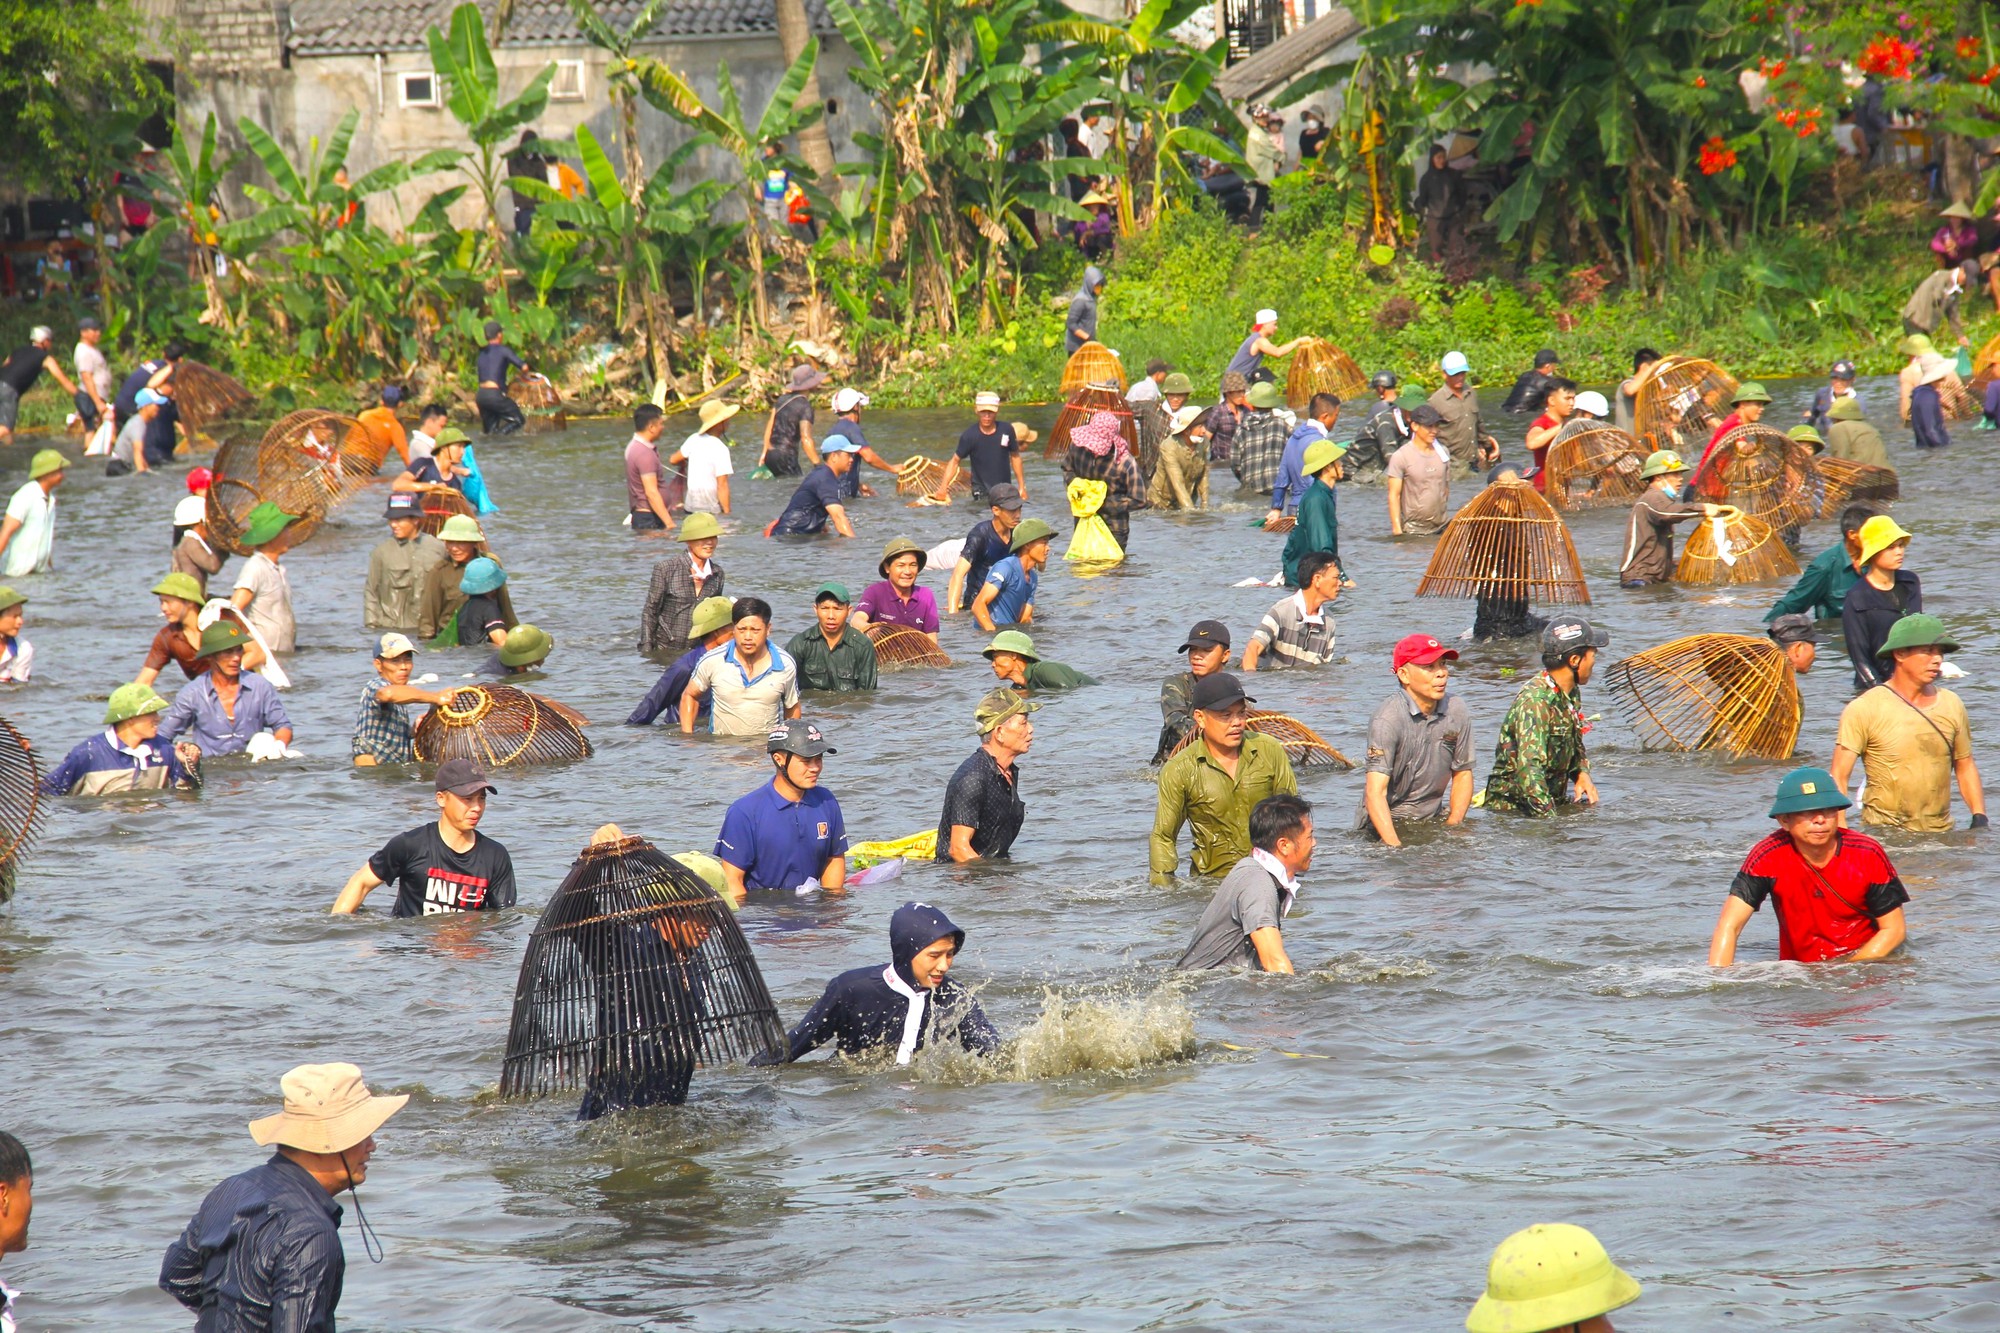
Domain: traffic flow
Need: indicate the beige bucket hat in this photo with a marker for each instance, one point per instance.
(328, 1109)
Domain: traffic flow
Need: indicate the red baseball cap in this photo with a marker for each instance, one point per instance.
(1423, 650)
(199, 480)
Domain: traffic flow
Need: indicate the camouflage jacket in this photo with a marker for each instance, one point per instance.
(1540, 751)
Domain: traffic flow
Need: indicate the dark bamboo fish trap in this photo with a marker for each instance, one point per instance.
(1846, 481)
(1752, 546)
(1093, 363)
(541, 403)
(1508, 544)
(1084, 404)
(636, 975)
(1592, 464)
(920, 476)
(1681, 403)
(1303, 746)
(437, 506)
(563, 711)
(1763, 472)
(1320, 367)
(22, 804)
(903, 646)
(204, 394)
(498, 725)
(1729, 692)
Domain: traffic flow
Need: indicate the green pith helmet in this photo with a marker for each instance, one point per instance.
(525, 645)
(44, 462)
(264, 523)
(129, 701)
(461, 528)
(221, 636)
(1805, 789)
(1320, 455)
(179, 585)
(1032, 530)
(710, 615)
(1750, 391)
(1660, 463)
(1011, 641)
(1917, 631)
(700, 526)
(1546, 1277)
(1806, 435)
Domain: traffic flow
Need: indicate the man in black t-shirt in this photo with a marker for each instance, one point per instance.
(990, 449)
(788, 434)
(441, 867)
(499, 414)
(817, 501)
(21, 370)
(150, 375)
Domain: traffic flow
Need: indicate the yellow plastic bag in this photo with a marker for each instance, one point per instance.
(915, 847)
(1092, 542)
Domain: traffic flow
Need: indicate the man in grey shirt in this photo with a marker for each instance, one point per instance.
(1419, 763)
(1463, 433)
(1242, 921)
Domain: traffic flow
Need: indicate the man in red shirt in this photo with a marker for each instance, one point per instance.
(1749, 404)
(1837, 895)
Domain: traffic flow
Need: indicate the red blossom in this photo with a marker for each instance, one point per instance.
(1986, 79)
(1890, 57)
(1967, 48)
(1716, 156)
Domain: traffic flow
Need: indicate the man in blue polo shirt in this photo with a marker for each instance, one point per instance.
(787, 834)
(818, 500)
(1008, 595)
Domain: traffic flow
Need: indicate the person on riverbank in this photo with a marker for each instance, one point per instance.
(833, 655)
(1293, 479)
(382, 731)
(710, 628)
(17, 1208)
(1015, 662)
(1420, 748)
(1248, 360)
(1080, 324)
(1850, 435)
(751, 686)
(681, 581)
(1558, 404)
(788, 834)
(264, 1252)
(17, 655)
(263, 593)
(444, 866)
(902, 1007)
(443, 596)
(989, 542)
(1207, 648)
(1260, 438)
(847, 407)
(1927, 420)
(1213, 784)
(645, 496)
(224, 707)
(983, 809)
(1821, 590)
(1911, 736)
(385, 430)
(706, 458)
(989, 449)
(1745, 409)
(499, 414)
(1318, 528)
(1540, 764)
(179, 640)
(20, 371)
(897, 599)
(1649, 533)
(1243, 922)
(1937, 299)
(1008, 595)
(128, 754)
(1551, 1278)
(397, 566)
(1418, 478)
(1531, 386)
(788, 433)
(93, 375)
(1385, 430)
(1838, 896)
(1298, 631)
(818, 501)
(194, 555)
(1883, 594)
(28, 533)
(148, 374)
(1462, 430)
(1839, 387)
(1098, 452)
(1956, 239)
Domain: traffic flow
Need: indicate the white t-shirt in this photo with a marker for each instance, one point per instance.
(421, 445)
(91, 365)
(33, 547)
(707, 459)
(270, 609)
(17, 663)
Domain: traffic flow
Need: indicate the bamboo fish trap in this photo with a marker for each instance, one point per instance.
(22, 804)
(920, 476)
(1681, 403)
(307, 462)
(1303, 746)
(636, 975)
(437, 506)
(1084, 404)
(1507, 544)
(498, 725)
(1093, 363)
(1593, 464)
(1763, 472)
(204, 394)
(898, 646)
(1729, 692)
(1985, 367)
(540, 402)
(1747, 550)
(1958, 402)
(1320, 367)
(1846, 481)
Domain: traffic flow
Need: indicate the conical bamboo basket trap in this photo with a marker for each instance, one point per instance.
(1593, 464)
(1750, 552)
(204, 394)
(498, 725)
(636, 975)
(1303, 746)
(23, 804)
(1320, 367)
(1763, 472)
(541, 403)
(308, 462)
(1093, 363)
(1084, 404)
(1681, 403)
(1845, 481)
(437, 506)
(1507, 543)
(1729, 692)
(1959, 403)
(1985, 367)
(899, 646)
(920, 476)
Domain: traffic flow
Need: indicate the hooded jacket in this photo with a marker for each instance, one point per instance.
(1083, 309)
(884, 1006)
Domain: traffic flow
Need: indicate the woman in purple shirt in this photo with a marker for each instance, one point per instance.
(897, 600)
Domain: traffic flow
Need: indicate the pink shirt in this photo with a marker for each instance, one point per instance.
(883, 605)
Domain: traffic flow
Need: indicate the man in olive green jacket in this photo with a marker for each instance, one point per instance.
(1215, 782)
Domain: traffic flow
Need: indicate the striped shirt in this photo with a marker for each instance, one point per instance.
(1291, 638)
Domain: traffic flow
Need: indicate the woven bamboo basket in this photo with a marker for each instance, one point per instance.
(1093, 363)
(1081, 407)
(205, 395)
(1303, 746)
(1985, 367)
(1681, 403)
(1730, 692)
(440, 505)
(1959, 403)
(1508, 543)
(23, 804)
(1592, 464)
(636, 975)
(1846, 481)
(563, 711)
(307, 463)
(1763, 472)
(1320, 367)
(541, 404)
(1755, 552)
(498, 725)
(920, 476)
(903, 646)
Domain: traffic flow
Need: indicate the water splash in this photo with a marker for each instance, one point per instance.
(1076, 1034)
(1360, 968)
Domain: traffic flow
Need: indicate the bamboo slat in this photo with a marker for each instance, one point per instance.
(1847, 481)
(1593, 464)
(1763, 472)
(1731, 692)
(1320, 367)
(1755, 551)
(1303, 746)
(1081, 407)
(1093, 363)
(1680, 404)
(1508, 543)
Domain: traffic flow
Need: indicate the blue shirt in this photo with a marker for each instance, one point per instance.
(780, 844)
(850, 485)
(101, 764)
(263, 1253)
(984, 548)
(806, 513)
(198, 712)
(1017, 590)
(665, 696)
(1292, 479)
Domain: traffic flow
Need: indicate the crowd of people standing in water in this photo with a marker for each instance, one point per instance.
(265, 1246)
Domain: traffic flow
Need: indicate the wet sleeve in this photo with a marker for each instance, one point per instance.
(1853, 733)
(500, 888)
(836, 832)
(664, 697)
(305, 1285)
(1168, 816)
(1257, 907)
(1381, 756)
(656, 596)
(1531, 758)
(1286, 782)
(371, 593)
(791, 695)
(737, 843)
(821, 1022)
(1754, 889)
(1462, 752)
(387, 864)
(179, 715)
(927, 619)
(976, 1032)
(1854, 629)
(1961, 729)
(275, 716)
(1802, 596)
(66, 774)
(180, 1271)
(864, 679)
(961, 805)
(1266, 632)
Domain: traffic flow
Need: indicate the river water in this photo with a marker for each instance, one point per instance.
(1506, 1024)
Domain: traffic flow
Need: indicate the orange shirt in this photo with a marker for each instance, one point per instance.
(386, 432)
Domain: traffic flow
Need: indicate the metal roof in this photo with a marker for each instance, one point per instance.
(347, 27)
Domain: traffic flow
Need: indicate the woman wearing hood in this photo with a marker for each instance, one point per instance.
(902, 1005)
(1081, 325)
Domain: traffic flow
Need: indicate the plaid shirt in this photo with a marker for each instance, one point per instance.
(383, 730)
(670, 603)
(1222, 423)
(1125, 486)
(1259, 448)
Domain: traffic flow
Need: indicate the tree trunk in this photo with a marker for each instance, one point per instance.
(794, 31)
(635, 184)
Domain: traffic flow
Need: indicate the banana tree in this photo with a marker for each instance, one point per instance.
(464, 60)
(1173, 127)
(190, 188)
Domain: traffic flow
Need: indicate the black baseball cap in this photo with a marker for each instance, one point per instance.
(1219, 691)
(1793, 628)
(1423, 414)
(1547, 357)
(798, 737)
(1004, 495)
(1206, 634)
(462, 778)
